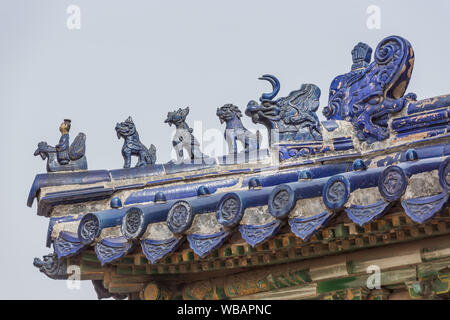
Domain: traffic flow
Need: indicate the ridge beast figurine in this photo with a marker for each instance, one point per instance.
(132, 146)
(235, 130)
(370, 92)
(293, 117)
(64, 156)
(183, 138)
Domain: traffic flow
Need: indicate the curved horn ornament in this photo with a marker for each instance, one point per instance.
(275, 86)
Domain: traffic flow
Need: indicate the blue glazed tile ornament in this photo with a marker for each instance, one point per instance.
(361, 55)
(115, 203)
(88, 229)
(110, 249)
(229, 211)
(364, 214)
(56, 220)
(424, 208)
(203, 191)
(155, 250)
(299, 150)
(92, 224)
(67, 244)
(281, 201)
(292, 118)
(204, 244)
(160, 197)
(235, 130)
(254, 183)
(304, 175)
(336, 192)
(359, 165)
(254, 235)
(369, 93)
(184, 140)
(132, 145)
(180, 217)
(444, 175)
(392, 183)
(411, 155)
(132, 223)
(306, 227)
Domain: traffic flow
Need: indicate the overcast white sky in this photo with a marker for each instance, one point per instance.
(145, 58)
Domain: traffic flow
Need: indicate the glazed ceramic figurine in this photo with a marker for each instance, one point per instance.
(132, 146)
(184, 139)
(64, 156)
(235, 130)
(293, 117)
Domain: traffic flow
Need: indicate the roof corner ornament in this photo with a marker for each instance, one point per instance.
(51, 266)
(64, 156)
(369, 93)
(293, 117)
(235, 130)
(361, 56)
(132, 145)
(183, 138)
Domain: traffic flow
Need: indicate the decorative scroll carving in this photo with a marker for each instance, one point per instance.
(88, 229)
(132, 146)
(422, 209)
(56, 220)
(368, 94)
(393, 183)
(281, 201)
(364, 214)
(67, 244)
(155, 250)
(180, 217)
(230, 211)
(292, 117)
(306, 227)
(132, 223)
(110, 249)
(230, 208)
(204, 244)
(336, 192)
(257, 234)
(300, 150)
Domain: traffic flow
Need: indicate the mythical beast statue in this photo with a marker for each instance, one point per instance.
(183, 138)
(235, 130)
(132, 146)
(369, 93)
(293, 117)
